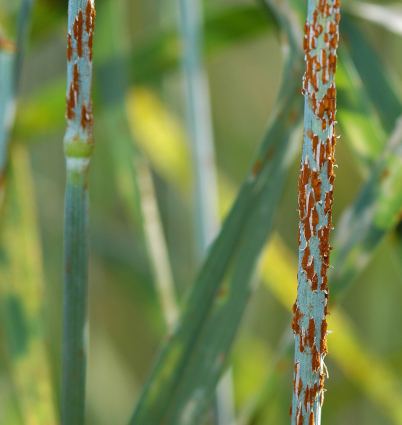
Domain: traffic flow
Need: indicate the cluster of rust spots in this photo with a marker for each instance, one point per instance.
(321, 62)
(86, 117)
(83, 24)
(90, 15)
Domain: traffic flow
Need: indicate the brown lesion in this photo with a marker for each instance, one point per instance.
(90, 15)
(7, 45)
(69, 47)
(71, 103)
(310, 337)
(78, 32)
(86, 117)
(315, 359)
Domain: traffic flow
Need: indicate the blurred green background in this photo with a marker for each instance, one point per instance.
(126, 324)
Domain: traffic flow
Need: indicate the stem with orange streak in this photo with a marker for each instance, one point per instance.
(315, 210)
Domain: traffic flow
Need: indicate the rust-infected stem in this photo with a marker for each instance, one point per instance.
(315, 210)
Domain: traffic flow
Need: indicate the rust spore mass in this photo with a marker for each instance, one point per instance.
(78, 32)
(69, 47)
(71, 104)
(90, 16)
(311, 333)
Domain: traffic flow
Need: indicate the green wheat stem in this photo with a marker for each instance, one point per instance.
(315, 210)
(78, 146)
(156, 245)
(199, 125)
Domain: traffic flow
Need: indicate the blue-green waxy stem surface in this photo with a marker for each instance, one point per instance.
(315, 208)
(78, 148)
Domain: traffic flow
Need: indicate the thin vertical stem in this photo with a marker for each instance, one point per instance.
(11, 55)
(315, 210)
(200, 125)
(203, 161)
(78, 146)
(156, 245)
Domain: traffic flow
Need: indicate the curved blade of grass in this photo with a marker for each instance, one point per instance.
(22, 295)
(78, 146)
(199, 125)
(377, 207)
(199, 122)
(378, 382)
(388, 16)
(357, 118)
(190, 364)
(375, 212)
(372, 71)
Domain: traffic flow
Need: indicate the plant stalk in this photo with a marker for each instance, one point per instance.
(78, 146)
(316, 181)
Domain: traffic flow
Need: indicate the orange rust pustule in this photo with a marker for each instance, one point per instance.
(299, 387)
(71, 103)
(76, 80)
(86, 117)
(315, 359)
(311, 333)
(78, 31)
(297, 315)
(257, 167)
(299, 417)
(7, 45)
(311, 418)
(323, 340)
(69, 47)
(90, 16)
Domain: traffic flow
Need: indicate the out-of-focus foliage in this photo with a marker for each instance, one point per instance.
(245, 67)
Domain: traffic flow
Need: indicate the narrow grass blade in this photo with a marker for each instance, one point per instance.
(21, 291)
(376, 209)
(315, 197)
(181, 384)
(199, 122)
(199, 125)
(156, 246)
(387, 16)
(11, 56)
(375, 212)
(373, 73)
(78, 145)
(357, 118)
(134, 177)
